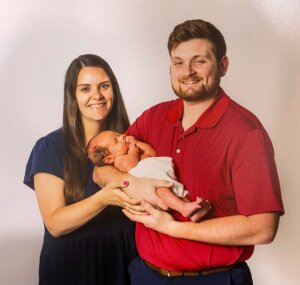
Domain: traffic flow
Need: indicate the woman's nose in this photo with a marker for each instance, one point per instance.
(97, 94)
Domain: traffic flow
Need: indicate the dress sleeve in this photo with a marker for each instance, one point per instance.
(46, 156)
(254, 175)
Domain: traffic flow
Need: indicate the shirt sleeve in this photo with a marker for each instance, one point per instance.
(45, 157)
(254, 176)
(142, 128)
(137, 129)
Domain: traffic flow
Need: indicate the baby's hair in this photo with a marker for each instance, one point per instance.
(96, 154)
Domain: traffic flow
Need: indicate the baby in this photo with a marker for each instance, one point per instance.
(138, 158)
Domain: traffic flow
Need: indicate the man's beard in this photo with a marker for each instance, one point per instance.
(200, 94)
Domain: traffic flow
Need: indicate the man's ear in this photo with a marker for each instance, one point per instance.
(108, 159)
(223, 66)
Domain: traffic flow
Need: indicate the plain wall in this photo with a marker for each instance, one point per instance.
(38, 40)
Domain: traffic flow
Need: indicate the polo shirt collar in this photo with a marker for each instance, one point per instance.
(210, 117)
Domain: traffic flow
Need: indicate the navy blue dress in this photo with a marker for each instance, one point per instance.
(98, 252)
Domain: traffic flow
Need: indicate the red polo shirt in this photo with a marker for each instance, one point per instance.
(225, 157)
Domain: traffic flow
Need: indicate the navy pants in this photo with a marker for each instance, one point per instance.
(141, 274)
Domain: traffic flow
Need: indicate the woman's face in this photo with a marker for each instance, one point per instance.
(94, 94)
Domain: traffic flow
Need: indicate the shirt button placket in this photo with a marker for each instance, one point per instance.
(179, 149)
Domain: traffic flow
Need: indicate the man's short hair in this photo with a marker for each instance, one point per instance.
(198, 29)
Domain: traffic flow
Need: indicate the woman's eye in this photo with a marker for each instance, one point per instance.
(104, 86)
(84, 89)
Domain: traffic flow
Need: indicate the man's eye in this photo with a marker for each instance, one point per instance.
(177, 62)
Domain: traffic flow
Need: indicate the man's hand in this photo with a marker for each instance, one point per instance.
(158, 220)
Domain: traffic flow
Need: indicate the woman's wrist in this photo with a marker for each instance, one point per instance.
(101, 199)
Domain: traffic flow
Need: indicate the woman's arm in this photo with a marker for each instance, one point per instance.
(61, 219)
(139, 188)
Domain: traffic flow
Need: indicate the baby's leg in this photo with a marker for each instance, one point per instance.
(184, 206)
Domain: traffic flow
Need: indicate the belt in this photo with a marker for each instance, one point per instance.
(171, 273)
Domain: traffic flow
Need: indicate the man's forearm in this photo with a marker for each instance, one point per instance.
(232, 230)
(235, 230)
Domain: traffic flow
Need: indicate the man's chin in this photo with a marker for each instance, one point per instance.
(196, 95)
(192, 96)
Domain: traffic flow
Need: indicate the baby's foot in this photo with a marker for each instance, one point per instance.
(190, 208)
(199, 214)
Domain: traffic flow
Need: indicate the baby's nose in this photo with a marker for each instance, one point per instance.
(121, 137)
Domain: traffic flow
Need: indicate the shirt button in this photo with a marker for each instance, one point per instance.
(177, 150)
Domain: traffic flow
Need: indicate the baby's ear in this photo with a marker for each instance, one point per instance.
(108, 159)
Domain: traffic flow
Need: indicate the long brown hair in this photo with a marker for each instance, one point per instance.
(76, 169)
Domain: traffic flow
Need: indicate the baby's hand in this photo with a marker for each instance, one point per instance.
(131, 140)
(132, 147)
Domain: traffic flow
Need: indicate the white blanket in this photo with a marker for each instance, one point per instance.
(160, 168)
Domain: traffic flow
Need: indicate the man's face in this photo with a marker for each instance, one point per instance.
(195, 72)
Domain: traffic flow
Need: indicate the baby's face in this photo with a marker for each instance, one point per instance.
(114, 142)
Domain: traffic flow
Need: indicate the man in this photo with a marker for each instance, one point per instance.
(223, 154)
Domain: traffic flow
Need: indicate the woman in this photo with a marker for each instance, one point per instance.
(87, 238)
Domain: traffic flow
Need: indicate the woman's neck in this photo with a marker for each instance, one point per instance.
(90, 130)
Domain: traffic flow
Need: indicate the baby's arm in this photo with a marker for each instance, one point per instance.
(146, 150)
(127, 161)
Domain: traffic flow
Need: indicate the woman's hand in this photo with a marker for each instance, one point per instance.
(138, 188)
(146, 189)
(156, 219)
(113, 194)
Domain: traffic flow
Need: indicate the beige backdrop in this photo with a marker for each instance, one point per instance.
(38, 39)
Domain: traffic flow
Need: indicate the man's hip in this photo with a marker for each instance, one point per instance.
(144, 273)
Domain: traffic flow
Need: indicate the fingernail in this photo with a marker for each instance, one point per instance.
(125, 183)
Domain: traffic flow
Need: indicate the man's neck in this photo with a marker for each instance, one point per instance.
(193, 110)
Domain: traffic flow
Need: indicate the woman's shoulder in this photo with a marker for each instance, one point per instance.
(54, 137)
(52, 140)
(49, 147)
(46, 156)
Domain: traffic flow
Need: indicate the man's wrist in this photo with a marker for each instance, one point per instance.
(174, 228)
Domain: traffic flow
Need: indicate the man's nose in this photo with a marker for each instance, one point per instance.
(188, 69)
